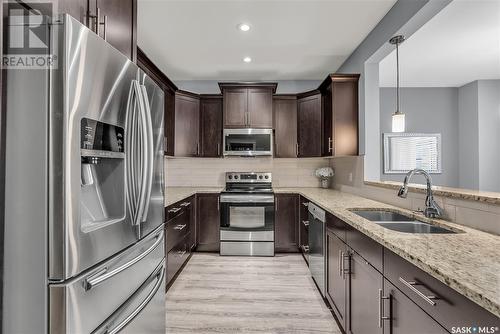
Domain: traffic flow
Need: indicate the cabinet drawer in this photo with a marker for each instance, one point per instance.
(178, 208)
(177, 229)
(176, 258)
(369, 249)
(336, 226)
(450, 309)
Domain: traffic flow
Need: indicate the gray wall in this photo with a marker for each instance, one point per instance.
(427, 110)
(284, 86)
(468, 157)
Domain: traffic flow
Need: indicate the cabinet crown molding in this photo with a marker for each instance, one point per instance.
(271, 85)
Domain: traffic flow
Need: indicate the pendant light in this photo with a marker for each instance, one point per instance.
(398, 118)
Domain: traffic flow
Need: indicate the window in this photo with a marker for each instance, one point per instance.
(406, 151)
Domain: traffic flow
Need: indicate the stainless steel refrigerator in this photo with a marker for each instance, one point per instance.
(84, 238)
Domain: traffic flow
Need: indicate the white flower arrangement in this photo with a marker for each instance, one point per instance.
(324, 173)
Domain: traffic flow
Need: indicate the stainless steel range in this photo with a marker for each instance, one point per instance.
(247, 215)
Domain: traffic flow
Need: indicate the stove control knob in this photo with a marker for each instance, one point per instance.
(230, 177)
(236, 177)
(267, 176)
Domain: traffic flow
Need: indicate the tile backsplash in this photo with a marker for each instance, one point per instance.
(209, 172)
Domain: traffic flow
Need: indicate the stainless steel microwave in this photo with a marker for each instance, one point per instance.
(248, 142)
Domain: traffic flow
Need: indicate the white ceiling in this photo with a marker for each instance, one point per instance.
(459, 45)
(289, 39)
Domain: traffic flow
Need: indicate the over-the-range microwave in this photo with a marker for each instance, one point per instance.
(248, 142)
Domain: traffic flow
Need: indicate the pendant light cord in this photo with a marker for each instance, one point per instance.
(397, 77)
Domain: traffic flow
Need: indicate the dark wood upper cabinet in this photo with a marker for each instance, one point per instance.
(169, 90)
(117, 24)
(187, 124)
(286, 230)
(248, 105)
(208, 222)
(285, 126)
(260, 108)
(211, 125)
(235, 107)
(340, 114)
(309, 120)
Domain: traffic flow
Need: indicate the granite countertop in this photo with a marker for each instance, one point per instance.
(176, 194)
(468, 262)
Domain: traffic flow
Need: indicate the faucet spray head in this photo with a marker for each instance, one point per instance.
(403, 192)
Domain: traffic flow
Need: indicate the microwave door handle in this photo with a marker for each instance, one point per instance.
(150, 152)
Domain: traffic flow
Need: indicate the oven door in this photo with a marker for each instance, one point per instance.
(247, 217)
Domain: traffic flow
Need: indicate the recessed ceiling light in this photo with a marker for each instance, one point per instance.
(247, 59)
(243, 27)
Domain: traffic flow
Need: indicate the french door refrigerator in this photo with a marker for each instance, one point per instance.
(84, 238)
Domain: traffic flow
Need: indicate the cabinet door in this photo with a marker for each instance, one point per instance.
(169, 116)
(345, 118)
(76, 8)
(365, 287)
(211, 127)
(309, 126)
(405, 317)
(285, 127)
(327, 106)
(208, 222)
(303, 225)
(285, 223)
(120, 27)
(187, 126)
(260, 108)
(235, 108)
(336, 282)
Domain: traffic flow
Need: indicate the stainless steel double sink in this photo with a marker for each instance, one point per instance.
(401, 223)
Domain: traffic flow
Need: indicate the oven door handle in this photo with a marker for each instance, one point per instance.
(246, 198)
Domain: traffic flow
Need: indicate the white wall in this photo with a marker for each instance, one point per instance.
(284, 86)
(428, 110)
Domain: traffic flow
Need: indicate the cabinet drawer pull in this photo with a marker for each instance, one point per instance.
(179, 227)
(305, 248)
(174, 210)
(411, 285)
(341, 256)
(306, 223)
(381, 299)
(181, 253)
(330, 144)
(306, 204)
(345, 270)
(186, 204)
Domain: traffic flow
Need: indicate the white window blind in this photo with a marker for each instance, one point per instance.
(406, 151)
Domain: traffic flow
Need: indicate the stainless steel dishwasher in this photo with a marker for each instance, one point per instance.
(317, 245)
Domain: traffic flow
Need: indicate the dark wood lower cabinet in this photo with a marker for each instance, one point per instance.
(404, 316)
(304, 226)
(336, 282)
(286, 223)
(365, 286)
(208, 222)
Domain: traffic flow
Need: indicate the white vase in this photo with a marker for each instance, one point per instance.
(325, 183)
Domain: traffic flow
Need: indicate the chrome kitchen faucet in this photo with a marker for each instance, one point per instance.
(432, 209)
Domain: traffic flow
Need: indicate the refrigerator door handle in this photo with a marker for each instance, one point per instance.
(148, 131)
(104, 328)
(104, 275)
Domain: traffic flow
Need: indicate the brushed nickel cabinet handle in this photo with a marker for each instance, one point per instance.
(345, 270)
(181, 253)
(306, 223)
(218, 149)
(185, 204)
(411, 285)
(306, 204)
(381, 299)
(174, 210)
(341, 256)
(330, 144)
(305, 248)
(180, 227)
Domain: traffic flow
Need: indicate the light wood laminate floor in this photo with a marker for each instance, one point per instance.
(215, 294)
